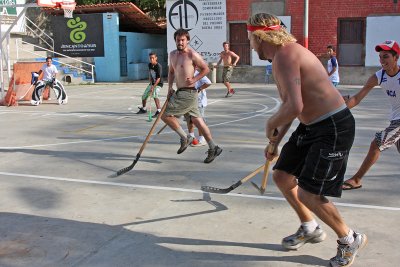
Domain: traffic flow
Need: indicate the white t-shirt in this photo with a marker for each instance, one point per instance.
(391, 88)
(202, 98)
(49, 72)
(332, 62)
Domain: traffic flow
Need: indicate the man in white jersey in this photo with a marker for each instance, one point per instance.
(388, 78)
(200, 86)
(49, 73)
(333, 66)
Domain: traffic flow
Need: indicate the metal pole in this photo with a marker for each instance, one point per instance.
(306, 24)
(1, 59)
(8, 59)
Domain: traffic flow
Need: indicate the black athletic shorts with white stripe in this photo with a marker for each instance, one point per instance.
(317, 154)
(389, 136)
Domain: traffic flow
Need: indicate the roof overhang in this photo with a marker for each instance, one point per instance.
(131, 18)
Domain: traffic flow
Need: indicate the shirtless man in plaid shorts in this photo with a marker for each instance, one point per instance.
(230, 60)
(183, 62)
(388, 78)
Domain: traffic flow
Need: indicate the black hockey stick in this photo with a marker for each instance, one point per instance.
(217, 190)
(130, 167)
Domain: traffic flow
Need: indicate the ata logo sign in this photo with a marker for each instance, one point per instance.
(183, 14)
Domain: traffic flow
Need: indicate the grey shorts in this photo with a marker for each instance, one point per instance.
(183, 102)
(227, 74)
(389, 136)
(317, 154)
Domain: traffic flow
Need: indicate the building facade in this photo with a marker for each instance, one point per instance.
(341, 23)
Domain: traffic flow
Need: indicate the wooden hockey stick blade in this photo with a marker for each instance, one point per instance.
(217, 190)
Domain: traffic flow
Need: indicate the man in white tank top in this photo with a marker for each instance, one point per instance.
(388, 78)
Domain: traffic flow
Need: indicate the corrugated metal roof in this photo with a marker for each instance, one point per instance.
(131, 18)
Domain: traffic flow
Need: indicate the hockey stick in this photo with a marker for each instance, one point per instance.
(150, 119)
(217, 190)
(162, 129)
(264, 180)
(271, 148)
(130, 167)
(263, 186)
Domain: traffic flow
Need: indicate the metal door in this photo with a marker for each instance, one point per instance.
(239, 42)
(123, 60)
(351, 41)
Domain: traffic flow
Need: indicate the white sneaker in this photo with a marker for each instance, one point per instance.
(300, 238)
(347, 253)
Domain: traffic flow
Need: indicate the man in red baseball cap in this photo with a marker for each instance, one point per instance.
(388, 78)
(387, 46)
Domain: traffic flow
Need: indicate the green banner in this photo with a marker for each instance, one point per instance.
(11, 11)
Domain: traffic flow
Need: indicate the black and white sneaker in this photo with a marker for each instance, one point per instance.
(141, 111)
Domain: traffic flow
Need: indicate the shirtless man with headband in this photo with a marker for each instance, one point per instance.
(312, 163)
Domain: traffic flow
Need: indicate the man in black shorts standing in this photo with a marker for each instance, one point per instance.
(183, 62)
(312, 163)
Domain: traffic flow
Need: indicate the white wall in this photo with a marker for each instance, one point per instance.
(379, 29)
(206, 22)
(255, 61)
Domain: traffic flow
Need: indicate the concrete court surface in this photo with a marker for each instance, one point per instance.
(59, 207)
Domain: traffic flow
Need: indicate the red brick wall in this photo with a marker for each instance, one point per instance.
(323, 16)
(238, 10)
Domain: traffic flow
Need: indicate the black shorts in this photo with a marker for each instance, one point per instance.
(317, 154)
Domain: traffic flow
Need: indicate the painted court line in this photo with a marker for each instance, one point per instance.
(264, 111)
(180, 190)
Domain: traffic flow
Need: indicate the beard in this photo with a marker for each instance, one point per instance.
(180, 47)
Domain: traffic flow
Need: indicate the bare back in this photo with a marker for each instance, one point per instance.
(302, 80)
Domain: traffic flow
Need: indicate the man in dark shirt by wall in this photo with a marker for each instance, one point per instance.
(155, 85)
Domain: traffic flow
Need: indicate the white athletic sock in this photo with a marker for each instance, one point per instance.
(310, 226)
(201, 138)
(192, 134)
(159, 109)
(348, 239)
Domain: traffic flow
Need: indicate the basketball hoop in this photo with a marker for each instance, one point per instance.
(68, 7)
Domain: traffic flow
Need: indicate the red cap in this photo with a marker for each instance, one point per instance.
(387, 46)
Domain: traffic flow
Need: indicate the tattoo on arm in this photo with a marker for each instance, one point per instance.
(297, 81)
